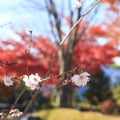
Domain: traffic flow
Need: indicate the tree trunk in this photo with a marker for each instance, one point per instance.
(66, 96)
(66, 91)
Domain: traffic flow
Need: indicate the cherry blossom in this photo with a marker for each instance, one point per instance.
(8, 81)
(77, 4)
(15, 113)
(32, 81)
(81, 80)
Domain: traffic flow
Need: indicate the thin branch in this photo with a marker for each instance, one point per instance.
(51, 64)
(50, 21)
(84, 28)
(75, 34)
(79, 36)
(15, 103)
(27, 53)
(71, 13)
(52, 11)
(29, 105)
(57, 20)
(79, 20)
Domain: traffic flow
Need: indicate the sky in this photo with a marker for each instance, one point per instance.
(18, 15)
(112, 73)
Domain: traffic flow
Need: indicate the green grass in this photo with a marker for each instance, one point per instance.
(72, 114)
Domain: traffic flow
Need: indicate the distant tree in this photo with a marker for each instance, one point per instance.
(99, 89)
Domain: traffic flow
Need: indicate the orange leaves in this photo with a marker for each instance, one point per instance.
(109, 1)
(113, 4)
(38, 59)
(98, 31)
(90, 57)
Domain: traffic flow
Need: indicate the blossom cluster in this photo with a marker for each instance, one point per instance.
(15, 113)
(32, 81)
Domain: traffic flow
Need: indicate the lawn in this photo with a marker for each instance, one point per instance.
(73, 114)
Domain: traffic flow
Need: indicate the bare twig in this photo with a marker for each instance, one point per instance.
(14, 104)
(79, 20)
(27, 53)
(57, 22)
(50, 20)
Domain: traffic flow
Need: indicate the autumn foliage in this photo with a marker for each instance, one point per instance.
(38, 58)
(15, 56)
(88, 55)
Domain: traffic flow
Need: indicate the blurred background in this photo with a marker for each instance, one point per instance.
(94, 46)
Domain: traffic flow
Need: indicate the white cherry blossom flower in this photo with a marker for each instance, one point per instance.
(26, 80)
(81, 80)
(8, 81)
(32, 81)
(77, 4)
(15, 113)
(35, 78)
